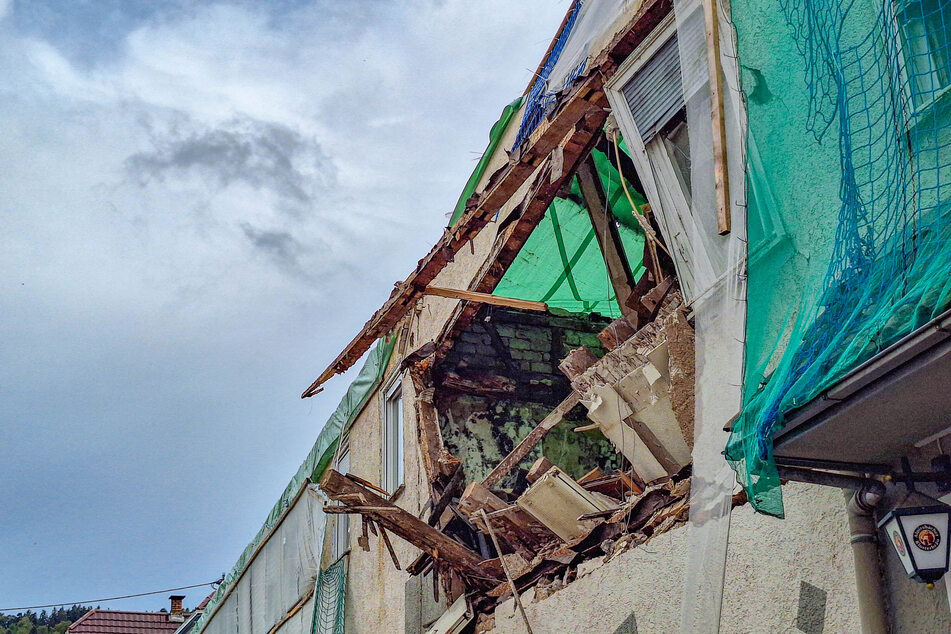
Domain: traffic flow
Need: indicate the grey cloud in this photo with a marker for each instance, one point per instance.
(279, 246)
(261, 154)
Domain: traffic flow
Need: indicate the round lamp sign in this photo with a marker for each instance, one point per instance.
(927, 537)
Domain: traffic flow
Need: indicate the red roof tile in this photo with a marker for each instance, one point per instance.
(122, 622)
(204, 603)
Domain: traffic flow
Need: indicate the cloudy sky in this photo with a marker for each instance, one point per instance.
(200, 203)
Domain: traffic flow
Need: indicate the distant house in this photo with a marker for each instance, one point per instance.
(176, 621)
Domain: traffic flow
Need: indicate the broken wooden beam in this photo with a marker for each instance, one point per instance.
(721, 177)
(654, 298)
(486, 298)
(608, 235)
(440, 547)
(368, 484)
(529, 442)
(515, 526)
(354, 510)
(453, 487)
(616, 333)
(436, 460)
(480, 383)
(389, 547)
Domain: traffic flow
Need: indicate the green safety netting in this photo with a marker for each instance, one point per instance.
(495, 137)
(849, 169)
(331, 594)
(315, 464)
(561, 263)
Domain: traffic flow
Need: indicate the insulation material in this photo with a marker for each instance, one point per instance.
(647, 390)
(608, 409)
(557, 501)
(588, 23)
(592, 25)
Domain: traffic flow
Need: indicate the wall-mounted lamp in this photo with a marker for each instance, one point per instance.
(919, 534)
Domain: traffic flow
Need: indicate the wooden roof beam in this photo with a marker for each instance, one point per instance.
(585, 102)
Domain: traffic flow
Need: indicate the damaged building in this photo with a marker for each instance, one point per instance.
(657, 279)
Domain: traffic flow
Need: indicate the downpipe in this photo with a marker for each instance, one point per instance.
(862, 496)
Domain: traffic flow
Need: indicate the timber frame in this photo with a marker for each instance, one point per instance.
(570, 131)
(477, 540)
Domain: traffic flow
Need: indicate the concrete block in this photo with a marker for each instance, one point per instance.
(519, 344)
(541, 345)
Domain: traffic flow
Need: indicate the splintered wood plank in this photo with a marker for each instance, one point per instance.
(539, 467)
(406, 525)
(430, 437)
(529, 442)
(717, 119)
(486, 298)
(577, 363)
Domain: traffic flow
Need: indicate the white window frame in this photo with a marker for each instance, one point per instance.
(341, 529)
(896, 15)
(662, 179)
(659, 176)
(392, 445)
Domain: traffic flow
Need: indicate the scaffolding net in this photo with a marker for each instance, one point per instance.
(848, 177)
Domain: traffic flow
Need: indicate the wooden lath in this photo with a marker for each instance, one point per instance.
(569, 130)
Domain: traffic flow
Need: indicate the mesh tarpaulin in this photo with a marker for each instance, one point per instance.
(495, 137)
(280, 563)
(561, 263)
(848, 174)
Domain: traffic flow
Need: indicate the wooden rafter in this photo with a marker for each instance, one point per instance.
(486, 298)
(579, 110)
(609, 238)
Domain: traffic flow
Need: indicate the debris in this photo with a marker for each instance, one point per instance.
(557, 501)
(577, 362)
(538, 468)
(528, 443)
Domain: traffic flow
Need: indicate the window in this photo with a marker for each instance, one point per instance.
(649, 96)
(393, 436)
(925, 27)
(341, 533)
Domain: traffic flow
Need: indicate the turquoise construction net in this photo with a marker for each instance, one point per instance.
(849, 125)
(330, 599)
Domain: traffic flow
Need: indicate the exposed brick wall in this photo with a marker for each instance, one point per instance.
(525, 347)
